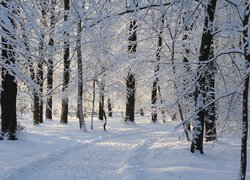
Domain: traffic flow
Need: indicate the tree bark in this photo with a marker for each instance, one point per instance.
(8, 96)
(49, 105)
(210, 111)
(157, 68)
(130, 104)
(36, 109)
(205, 50)
(38, 101)
(243, 161)
(93, 105)
(65, 106)
(9, 86)
(101, 101)
(40, 83)
(80, 79)
(130, 80)
(105, 118)
(162, 105)
(110, 113)
(187, 69)
(153, 101)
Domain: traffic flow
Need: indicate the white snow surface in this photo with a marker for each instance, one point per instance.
(51, 151)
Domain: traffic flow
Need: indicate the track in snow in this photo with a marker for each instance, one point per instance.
(107, 157)
(143, 151)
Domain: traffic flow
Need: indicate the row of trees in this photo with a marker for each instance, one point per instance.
(191, 57)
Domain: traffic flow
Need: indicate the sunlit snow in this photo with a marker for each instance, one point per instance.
(125, 151)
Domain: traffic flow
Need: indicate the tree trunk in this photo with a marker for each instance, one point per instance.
(38, 101)
(93, 105)
(153, 101)
(40, 69)
(80, 79)
(64, 112)
(155, 83)
(8, 96)
(9, 86)
(210, 111)
(109, 108)
(101, 101)
(162, 105)
(130, 104)
(243, 162)
(36, 109)
(205, 50)
(50, 62)
(105, 118)
(37, 95)
(246, 42)
(130, 80)
(187, 69)
(40, 83)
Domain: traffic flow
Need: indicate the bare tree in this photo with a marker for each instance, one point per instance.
(80, 78)
(109, 107)
(50, 61)
(101, 98)
(205, 50)
(246, 44)
(130, 79)
(9, 84)
(157, 68)
(66, 58)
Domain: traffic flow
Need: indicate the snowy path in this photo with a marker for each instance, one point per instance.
(143, 151)
(98, 159)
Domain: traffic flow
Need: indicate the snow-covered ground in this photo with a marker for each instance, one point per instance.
(142, 151)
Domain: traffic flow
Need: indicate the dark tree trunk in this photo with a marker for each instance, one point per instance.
(243, 161)
(38, 101)
(8, 96)
(80, 78)
(65, 106)
(130, 80)
(50, 63)
(40, 83)
(157, 68)
(109, 108)
(40, 65)
(36, 109)
(105, 118)
(187, 69)
(153, 101)
(162, 105)
(37, 95)
(205, 50)
(101, 101)
(243, 164)
(93, 105)
(9, 86)
(210, 112)
(130, 104)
